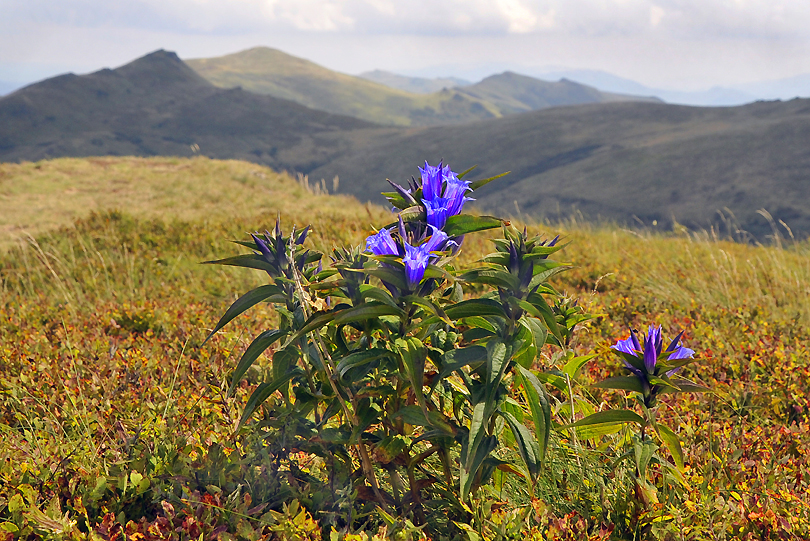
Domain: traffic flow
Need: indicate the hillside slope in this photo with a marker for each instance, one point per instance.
(268, 71)
(514, 93)
(619, 161)
(157, 105)
(273, 72)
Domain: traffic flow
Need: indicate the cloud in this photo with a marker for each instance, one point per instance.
(764, 19)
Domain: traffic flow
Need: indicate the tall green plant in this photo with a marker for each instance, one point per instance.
(381, 359)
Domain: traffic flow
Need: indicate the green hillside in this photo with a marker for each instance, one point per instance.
(418, 85)
(514, 93)
(269, 71)
(622, 162)
(272, 72)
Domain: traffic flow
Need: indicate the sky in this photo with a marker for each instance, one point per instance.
(674, 44)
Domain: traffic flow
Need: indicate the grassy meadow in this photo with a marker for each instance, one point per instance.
(115, 420)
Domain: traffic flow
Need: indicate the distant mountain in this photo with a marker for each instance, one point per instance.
(514, 93)
(784, 89)
(417, 85)
(620, 161)
(157, 105)
(269, 71)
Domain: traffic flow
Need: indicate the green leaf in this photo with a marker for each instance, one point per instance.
(644, 451)
(263, 391)
(461, 224)
(413, 415)
(527, 445)
(359, 358)
(672, 442)
(369, 291)
(256, 348)
(493, 277)
(687, 386)
(315, 321)
(391, 276)
(608, 417)
(475, 307)
(622, 383)
(479, 446)
(366, 311)
(554, 380)
(573, 366)
(246, 301)
(455, 359)
(497, 361)
(414, 354)
(535, 396)
(538, 329)
(542, 310)
(250, 261)
(484, 181)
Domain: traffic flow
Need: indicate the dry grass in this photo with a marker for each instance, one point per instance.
(39, 197)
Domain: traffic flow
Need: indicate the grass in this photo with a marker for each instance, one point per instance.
(110, 404)
(44, 196)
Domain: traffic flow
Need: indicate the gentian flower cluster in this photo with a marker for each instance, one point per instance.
(415, 258)
(650, 363)
(419, 244)
(443, 193)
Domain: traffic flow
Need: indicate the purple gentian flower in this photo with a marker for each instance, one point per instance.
(438, 210)
(432, 180)
(382, 243)
(443, 193)
(648, 351)
(416, 260)
(454, 191)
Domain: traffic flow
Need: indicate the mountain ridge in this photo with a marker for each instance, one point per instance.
(273, 72)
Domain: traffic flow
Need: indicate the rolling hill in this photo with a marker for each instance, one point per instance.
(157, 105)
(623, 162)
(269, 71)
(417, 85)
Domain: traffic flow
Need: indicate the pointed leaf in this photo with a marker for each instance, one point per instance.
(366, 311)
(535, 396)
(256, 348)
(263, 391)
(461, 224)
(250, 261)
(246, 301)
(527, 445)
(484, 181)
(475, 307)
(672, 442)
(608, 417)
(623, 383)
(573, 366)
(360, 358)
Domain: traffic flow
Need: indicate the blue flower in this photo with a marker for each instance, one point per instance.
(641, 358)
(432, 179)
(417, 258)
(454, 191)
(443, 193)
(382, 243)
(438, 210)
(651, 351)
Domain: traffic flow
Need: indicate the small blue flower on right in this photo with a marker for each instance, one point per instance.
(652, 365)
